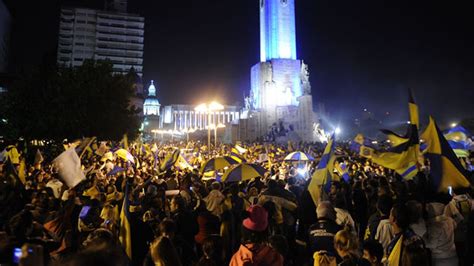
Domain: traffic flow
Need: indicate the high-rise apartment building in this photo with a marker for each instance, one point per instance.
(101, 35)
(5, 24)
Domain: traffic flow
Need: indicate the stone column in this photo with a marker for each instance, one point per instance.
(175, 117)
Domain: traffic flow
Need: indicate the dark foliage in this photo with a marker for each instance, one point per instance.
(57, 103)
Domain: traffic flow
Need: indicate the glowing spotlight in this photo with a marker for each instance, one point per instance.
(337, 130)
(454, 124)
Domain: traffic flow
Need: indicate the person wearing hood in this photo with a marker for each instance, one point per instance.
(253, 249)
(439, 237)
(215, 199)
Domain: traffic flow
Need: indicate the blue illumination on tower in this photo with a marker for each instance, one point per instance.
(277, 30)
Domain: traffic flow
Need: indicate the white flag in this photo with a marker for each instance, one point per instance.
(68, 165)
(102, 149)
(38, 157)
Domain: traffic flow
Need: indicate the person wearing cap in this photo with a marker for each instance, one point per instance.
(321, 233)
(253, 249)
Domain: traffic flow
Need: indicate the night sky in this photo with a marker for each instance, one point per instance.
(361, 54)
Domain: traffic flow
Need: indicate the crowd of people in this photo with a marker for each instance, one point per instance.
(179, 215)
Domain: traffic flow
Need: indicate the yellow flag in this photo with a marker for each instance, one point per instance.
(125, 141)
(394, 257)
(22, 171)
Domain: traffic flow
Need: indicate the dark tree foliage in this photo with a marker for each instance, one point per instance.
(57, 103)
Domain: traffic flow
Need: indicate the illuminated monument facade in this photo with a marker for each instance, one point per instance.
(280, 96)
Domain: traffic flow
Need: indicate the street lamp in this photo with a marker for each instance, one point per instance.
(215, 127)
(209, 108)
(187, 131)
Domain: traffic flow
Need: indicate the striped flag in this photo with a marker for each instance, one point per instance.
(401, 158)
(322, 177)
(445, 168)
(457, 138)
(125, 237)
(342, 171)
(394, 256)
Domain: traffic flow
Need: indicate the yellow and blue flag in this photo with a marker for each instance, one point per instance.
(236, 155)
(360, 141)
(402, 158)
(341, 169)
(415, 121)
(322, 176)
(395, 255)
(394, 138)
(170, 160)
(125, 236)
(445, 168)
(457, 138)
(413, 110)
(84, 146)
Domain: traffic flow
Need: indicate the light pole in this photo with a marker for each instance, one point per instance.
(187, 131)
(208, 108)
(215, 133)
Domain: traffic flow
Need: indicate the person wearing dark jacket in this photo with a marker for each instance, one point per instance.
(186, 224)
(321, 233)
(384, 205)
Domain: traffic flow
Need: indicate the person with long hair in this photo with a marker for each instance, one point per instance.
(164, 253)
(347, 247)
(213, 251)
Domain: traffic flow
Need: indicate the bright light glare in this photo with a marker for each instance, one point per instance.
(215, 106)
(454, 124)
(337, 130)
(301, 171)
(201, 108)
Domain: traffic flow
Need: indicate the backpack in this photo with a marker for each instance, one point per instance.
(323, 258)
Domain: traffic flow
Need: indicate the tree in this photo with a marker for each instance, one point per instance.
(58, 103)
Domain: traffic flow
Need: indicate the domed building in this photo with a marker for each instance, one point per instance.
(151, 109)
(151, 105)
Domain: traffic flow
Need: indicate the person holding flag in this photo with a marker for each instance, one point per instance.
(322, 176)
(406, 248)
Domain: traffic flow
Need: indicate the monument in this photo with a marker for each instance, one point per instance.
(280, 104)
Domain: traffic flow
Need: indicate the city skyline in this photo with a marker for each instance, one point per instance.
(360, 55)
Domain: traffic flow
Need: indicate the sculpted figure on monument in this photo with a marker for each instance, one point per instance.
(304, 76)
(247, 103)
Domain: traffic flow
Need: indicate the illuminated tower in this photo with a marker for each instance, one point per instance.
(277, 30)
(280, 89)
